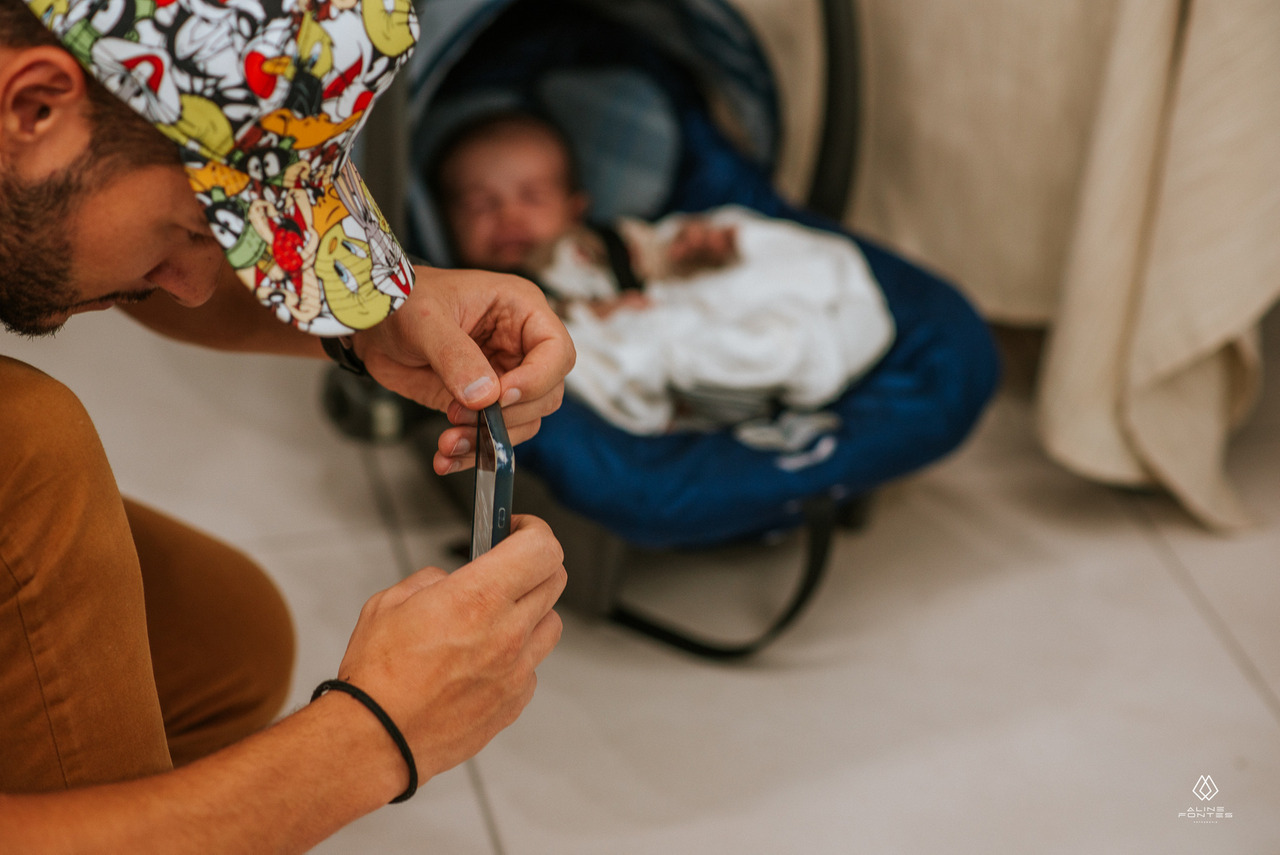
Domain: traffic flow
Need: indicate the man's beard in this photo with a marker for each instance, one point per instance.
(35, 250)
(36, 288)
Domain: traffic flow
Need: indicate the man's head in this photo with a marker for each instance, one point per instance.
(160, 146)
(507, 186)
(64, 140)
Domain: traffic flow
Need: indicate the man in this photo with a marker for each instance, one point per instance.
(139, 660)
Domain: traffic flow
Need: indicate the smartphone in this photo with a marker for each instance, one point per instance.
(495, 476)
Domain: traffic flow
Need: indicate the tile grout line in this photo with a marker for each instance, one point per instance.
(486, 807)
(386, 511)
(1217, 624)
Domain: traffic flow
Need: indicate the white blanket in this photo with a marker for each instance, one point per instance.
(797, 319)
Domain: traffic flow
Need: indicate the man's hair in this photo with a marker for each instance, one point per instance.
(20, 28)
(122, 139)
(502, 124)
(35, 249)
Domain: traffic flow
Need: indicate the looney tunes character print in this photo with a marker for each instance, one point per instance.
(265, 98)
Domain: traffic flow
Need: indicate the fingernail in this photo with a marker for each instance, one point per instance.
(477, 389)
(460, 415)
(461, 447)
(509, 397)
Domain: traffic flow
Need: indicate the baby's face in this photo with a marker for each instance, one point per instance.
(510, 196)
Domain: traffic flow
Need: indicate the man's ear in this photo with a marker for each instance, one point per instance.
(42, 116)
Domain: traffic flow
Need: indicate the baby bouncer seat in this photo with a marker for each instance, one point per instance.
(670, 106)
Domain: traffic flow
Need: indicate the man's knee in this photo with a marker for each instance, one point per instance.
(42, 422)
(222, 639)
(58, 496)
(85, 700)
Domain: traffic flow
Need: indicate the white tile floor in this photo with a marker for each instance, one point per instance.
(1008, 659)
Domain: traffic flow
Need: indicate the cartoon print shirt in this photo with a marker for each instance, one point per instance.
(265, 99)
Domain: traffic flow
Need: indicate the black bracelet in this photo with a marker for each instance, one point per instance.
(343, 352)
(396, 735)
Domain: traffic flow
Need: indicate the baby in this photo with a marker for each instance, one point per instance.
(508, 187)
(695, 321)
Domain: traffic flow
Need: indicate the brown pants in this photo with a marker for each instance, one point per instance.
(129, 643)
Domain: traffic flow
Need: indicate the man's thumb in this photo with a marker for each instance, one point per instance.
(462, 366)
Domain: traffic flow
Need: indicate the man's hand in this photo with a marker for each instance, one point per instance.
(465, 339)
(451, 658)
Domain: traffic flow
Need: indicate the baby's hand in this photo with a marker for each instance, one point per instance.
(699, 245)
(626, 300)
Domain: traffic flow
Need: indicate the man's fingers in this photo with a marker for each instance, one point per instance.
(461, 364)
(547, 356)
(456, 447)
(467, 339)
(524, 431)
(415, 382)
(529, 410)
(539, 602)
(525, 559)
(544, 638)
(443, 464)
(410, 585)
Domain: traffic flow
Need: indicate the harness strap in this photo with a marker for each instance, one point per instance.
(619, 258)
(821, 517)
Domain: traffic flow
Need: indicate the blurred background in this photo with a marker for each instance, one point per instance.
(1040, 642)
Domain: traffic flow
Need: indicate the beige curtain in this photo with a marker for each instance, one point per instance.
(1108, 169)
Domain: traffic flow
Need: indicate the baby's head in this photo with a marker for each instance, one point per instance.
(507, 186)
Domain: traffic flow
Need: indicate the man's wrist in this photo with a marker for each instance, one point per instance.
(342, 350)
(362, 737)
(387, 723)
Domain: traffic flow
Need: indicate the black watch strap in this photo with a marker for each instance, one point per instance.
(342, 351)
